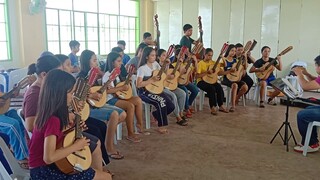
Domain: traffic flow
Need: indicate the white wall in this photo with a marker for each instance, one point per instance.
(276, 23)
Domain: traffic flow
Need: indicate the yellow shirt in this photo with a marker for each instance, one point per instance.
(203, 66)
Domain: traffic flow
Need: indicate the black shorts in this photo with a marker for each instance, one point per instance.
(93, 141)
(228, 83)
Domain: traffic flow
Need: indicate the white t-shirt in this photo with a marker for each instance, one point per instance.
(146, 71)
(105, 78)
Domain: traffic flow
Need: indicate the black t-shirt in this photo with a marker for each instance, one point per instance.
(185, 41)
(260, 62)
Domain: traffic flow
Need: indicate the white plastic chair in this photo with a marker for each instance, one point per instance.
(147, 107)
(23, 122)
(201, 97)
(228, 97)
(308, 136)
(3, 82)
(18, 172)
(15, 76)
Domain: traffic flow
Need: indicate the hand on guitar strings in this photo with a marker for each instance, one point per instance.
(210, 71)
(170, 76)
(155, 78)
(95, 96)
(79, 144)
(125, 88)
(232, 70)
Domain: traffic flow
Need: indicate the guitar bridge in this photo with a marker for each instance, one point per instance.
(78, 167)
(233, 75)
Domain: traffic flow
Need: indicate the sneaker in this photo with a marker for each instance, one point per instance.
(312, 148)
(272, 102)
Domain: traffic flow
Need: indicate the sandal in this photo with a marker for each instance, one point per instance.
(134, 139)
(146, 133)
(232, 109)
(108, 171)
(116, 156)
(184, 118)
(192, 110)
(162, 131)
(182, 122)
(223, 110)
(188, 114)
(261, 104)
(214, 111)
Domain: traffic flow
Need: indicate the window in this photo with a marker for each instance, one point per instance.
(96, 24)
(4, 33)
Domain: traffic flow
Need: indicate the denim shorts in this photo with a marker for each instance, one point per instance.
(113, 101)
(104, 113)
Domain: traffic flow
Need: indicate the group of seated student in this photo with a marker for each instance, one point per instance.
(46, 114)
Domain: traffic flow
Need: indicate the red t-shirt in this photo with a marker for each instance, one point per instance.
(30, 101)
(318, 80)
(36, 146)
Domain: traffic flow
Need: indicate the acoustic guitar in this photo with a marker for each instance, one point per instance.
(158, 86)
(213, 77)
(102, 89)
(269, 66)
(6, 97)
(77, 161)
(156, 23)
(185, 77)
(239, 68)
(83, 88)
(172, 84)
(126, 94)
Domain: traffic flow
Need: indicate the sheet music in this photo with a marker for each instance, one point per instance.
(285, 87)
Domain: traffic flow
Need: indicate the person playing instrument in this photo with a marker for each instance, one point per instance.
(190, 86)
(11, 125)
(111, 115)
(30, 107)
(136, 60)
(95, 127)
(311, 113)
(248, 60)
(178, 95)
(161, 102)
(74, 47)
(125, 57)
(214, 91)
(237, 88)
(186, 40)
(124, 72)
(50, 123)
(132, 106)
(257, 67)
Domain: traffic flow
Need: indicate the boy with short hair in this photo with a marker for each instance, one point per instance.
(74, 47)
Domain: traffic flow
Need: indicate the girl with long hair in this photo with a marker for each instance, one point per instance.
(237, 88)
(51, 121)
(111, 115)
(132, 106)
(162, 102)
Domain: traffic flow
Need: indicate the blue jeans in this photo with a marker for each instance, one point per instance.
(309, 114)
(193, 93)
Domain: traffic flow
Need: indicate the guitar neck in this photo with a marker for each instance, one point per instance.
(78, 130)
(176, 67)
(189, 63)
(127, 81)
(9, 94)
(271, 63)
(217, 62)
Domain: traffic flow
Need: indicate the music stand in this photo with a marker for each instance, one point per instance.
(287, 89)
